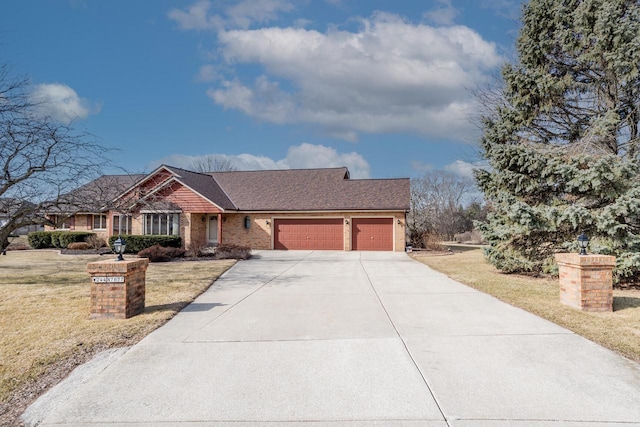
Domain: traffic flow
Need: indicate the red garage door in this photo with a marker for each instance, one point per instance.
(372, 234)
(327, 234)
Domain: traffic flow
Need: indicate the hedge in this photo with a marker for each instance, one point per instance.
(56, 239)
(136, 243)
(39, 239)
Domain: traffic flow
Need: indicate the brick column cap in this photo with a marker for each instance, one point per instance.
(593, 260)
(113, 266)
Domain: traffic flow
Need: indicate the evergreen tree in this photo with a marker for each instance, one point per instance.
(563, 142)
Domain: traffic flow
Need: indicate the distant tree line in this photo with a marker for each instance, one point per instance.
(443, 204)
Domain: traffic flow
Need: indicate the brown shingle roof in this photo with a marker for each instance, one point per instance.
(204, 185)
(95, 195)
(311, 189)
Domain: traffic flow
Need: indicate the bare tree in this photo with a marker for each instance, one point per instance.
(41, 160)
(437, 204)
(213, 163)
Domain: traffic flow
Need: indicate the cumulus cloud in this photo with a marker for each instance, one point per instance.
(207, 73)
(461, 168)
(240, 15)
(445, 14)
(301, 156)
(389, 76)
(196, 17)
(60, 102)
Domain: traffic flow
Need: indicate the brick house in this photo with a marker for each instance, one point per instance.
(266, 209)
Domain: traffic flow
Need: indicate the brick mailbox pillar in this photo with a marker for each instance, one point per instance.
(586, 281)
(117, 288)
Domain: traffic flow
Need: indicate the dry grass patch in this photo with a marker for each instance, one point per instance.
(44, 317)
(618, 331)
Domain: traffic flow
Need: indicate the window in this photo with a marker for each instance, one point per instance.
(122, 224)
(100, 222)
(162, 224)
(66, 222)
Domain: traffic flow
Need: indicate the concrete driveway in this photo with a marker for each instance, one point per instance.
(349, 339)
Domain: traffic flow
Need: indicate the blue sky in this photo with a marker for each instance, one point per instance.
(378, 86)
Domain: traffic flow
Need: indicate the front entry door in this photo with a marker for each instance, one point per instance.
(212, 230)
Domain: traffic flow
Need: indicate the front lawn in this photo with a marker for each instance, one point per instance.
(44, 317)
(618, 331)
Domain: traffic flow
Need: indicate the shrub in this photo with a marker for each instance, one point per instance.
(136, 243)
(428, 240)
(231, 251)
(157, 253)
(39, 239)
(196, 248)
(472, 237)
(62, 239)
(78, 246)
(96, 242)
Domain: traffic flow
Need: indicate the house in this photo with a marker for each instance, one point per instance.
(87, 207)
(10, 208)
(266, 209)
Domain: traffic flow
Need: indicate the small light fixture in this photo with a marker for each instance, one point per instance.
(399, 222)
(119, 246)
(204, 218)
(583, 241)
(346, 221)
(268, 222)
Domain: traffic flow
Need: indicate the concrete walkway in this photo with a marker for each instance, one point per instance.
(349, 339)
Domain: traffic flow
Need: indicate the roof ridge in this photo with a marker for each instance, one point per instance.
(280, 170)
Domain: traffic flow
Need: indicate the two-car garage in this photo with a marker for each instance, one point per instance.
(367, 234)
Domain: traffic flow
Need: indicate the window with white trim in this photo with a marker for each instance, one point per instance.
(66, 222)
(99, 222)
(121, 224)
(163, 224)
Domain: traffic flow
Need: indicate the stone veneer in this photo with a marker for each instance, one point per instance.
(120, 299)
(586, 281)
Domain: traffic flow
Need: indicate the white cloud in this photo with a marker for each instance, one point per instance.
(196, 17)
(445, 14)
(461, 168)
(60, 102)
(301, 156)
(207, 73)
(390, 76)
(246, 12)
(240, 15)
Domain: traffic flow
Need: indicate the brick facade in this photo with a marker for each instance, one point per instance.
(586, 281)
(120, 299)
(260, 234)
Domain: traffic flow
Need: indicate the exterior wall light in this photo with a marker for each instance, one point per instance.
(119, 247)
(268, 222)
(346, 221)
(583, 241)
(399, 222)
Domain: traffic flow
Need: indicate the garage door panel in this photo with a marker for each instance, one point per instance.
(309, 234)
(372, 234)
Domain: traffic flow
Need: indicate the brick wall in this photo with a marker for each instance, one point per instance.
(259, 235)
(586, 281)
(117, 300)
